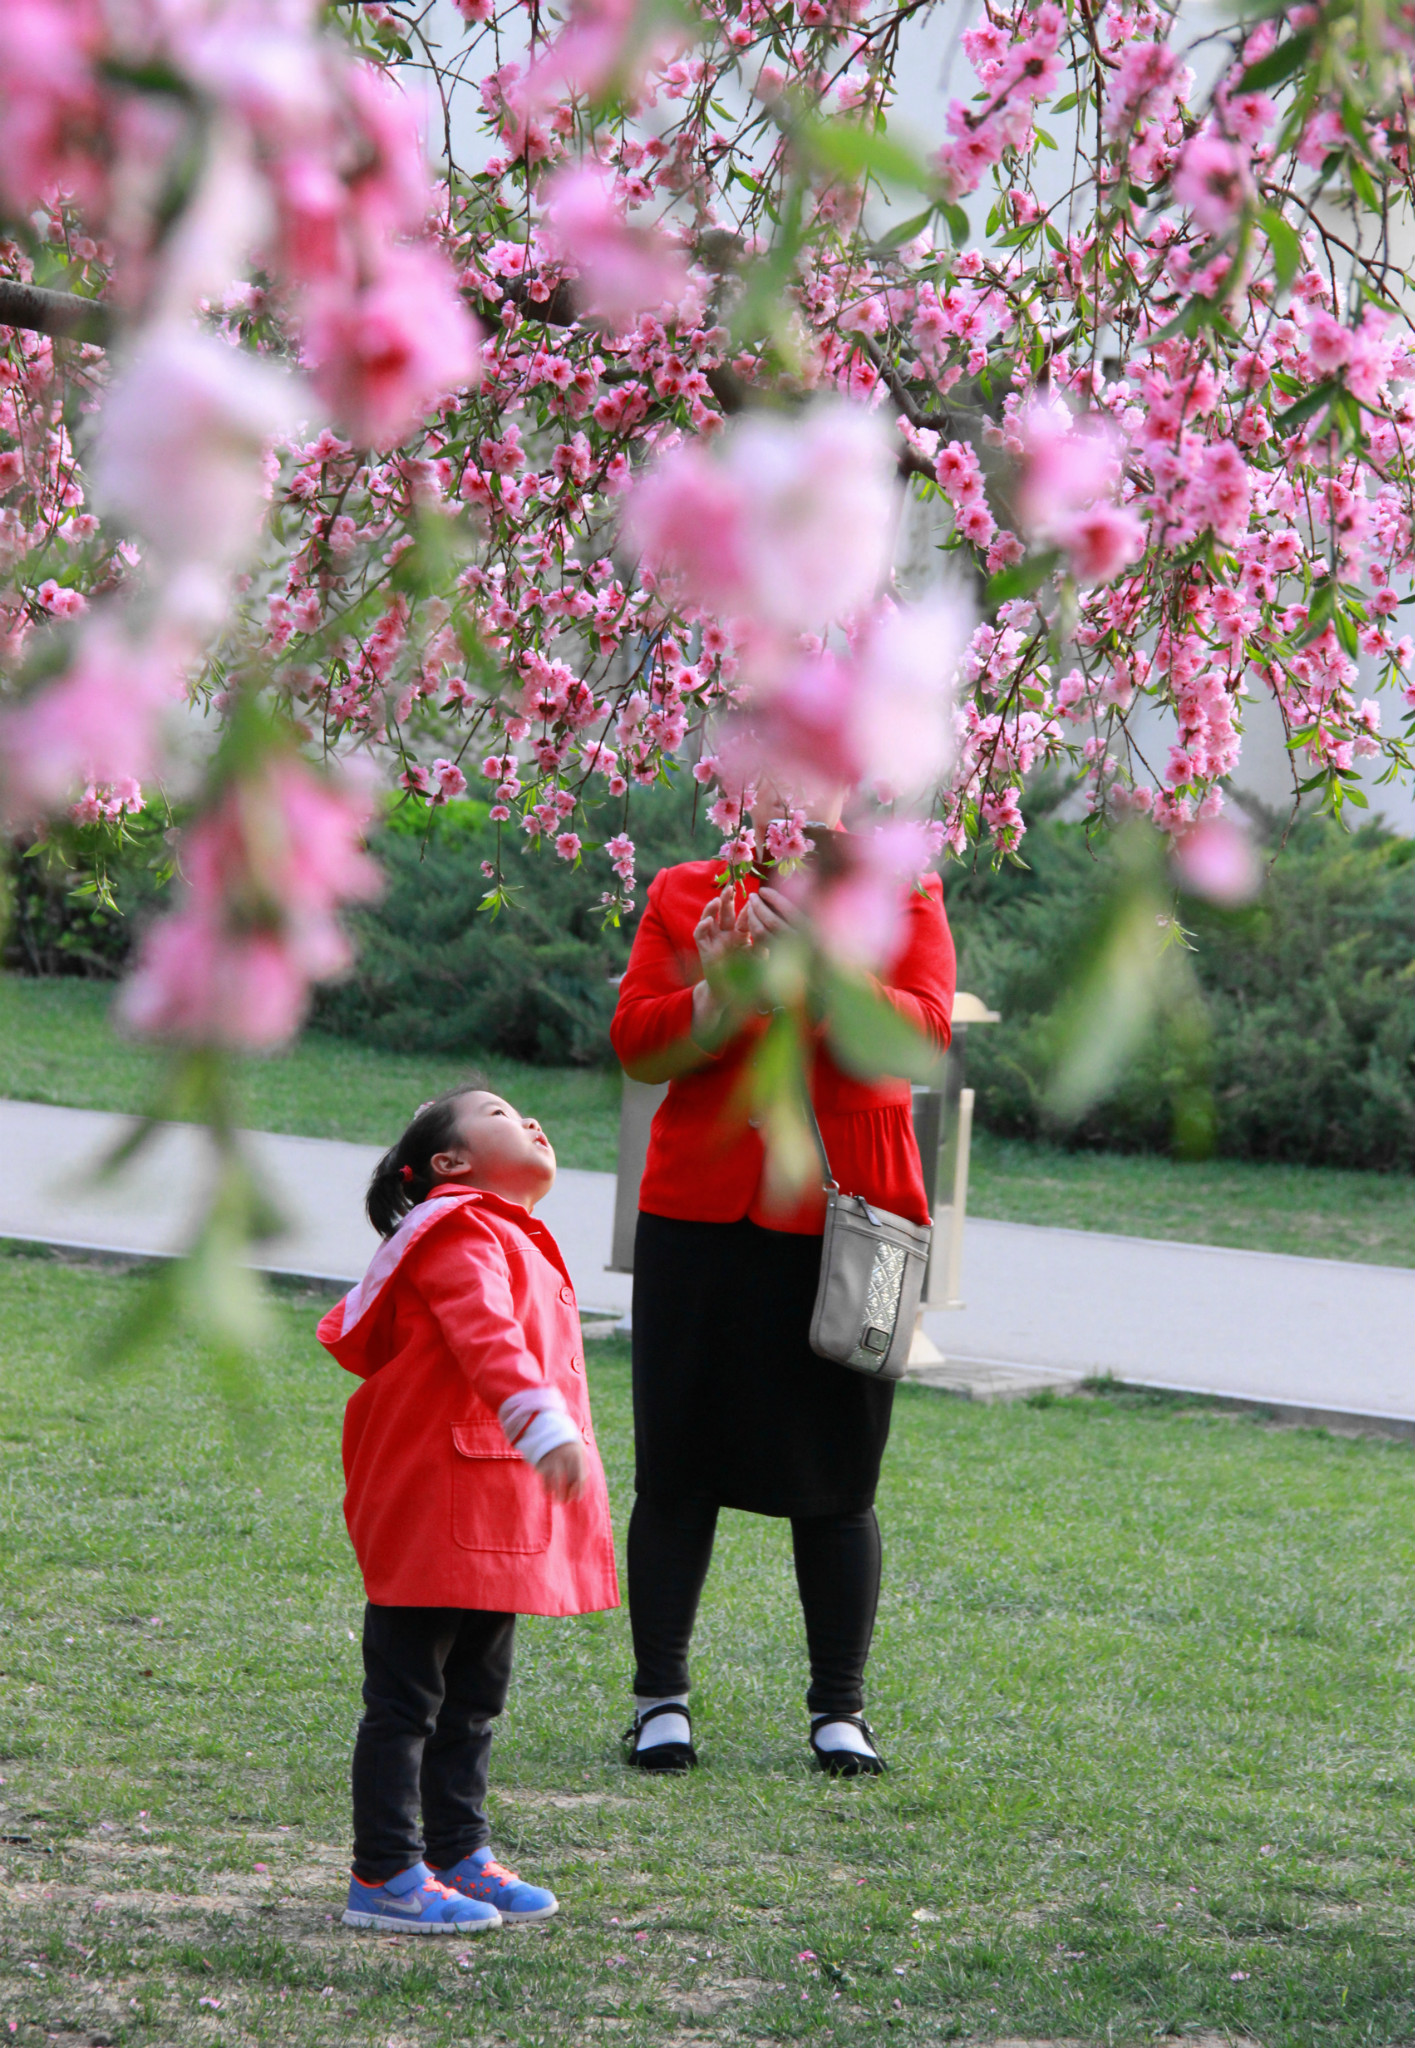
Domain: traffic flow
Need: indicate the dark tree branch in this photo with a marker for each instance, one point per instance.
(61, 314)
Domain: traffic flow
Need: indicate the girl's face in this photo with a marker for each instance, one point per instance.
(498, 1149)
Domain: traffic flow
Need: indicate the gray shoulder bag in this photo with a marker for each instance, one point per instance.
(873, 1268)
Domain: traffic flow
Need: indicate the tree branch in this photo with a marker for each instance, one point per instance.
(61, 314)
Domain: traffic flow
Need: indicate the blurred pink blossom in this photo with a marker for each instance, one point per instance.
(1100, 542)
(98, 723)
(857, 906)
(265, 875)
(1212, 179)
(906, 671)
(51, 106)
(379, 356)
(180, 442)
(1217, 859)
(623, 270)
(604, 43)
(791, 526)
(1066, 464)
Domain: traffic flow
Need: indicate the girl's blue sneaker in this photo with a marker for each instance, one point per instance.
(480, 1877)
(416, 1902)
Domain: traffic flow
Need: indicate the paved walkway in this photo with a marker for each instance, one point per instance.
(1312, 1337)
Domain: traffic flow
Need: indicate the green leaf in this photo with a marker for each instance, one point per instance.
(853, 151)
(1315, 402)
(1364, 187)
(1279, 63)
(1022, 578)
(906, 230)
(957, 220)
(869, 1037)
(1285, 245)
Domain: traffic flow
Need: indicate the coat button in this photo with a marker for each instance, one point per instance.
(575, 1365)
(567, 1295)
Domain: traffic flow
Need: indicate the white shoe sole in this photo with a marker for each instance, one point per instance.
(524, 1919)
(381, 1923)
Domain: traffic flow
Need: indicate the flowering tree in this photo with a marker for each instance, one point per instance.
(587, 457)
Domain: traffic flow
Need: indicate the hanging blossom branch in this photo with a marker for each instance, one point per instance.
(588, 462)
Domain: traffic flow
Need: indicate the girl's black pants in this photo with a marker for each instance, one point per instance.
(435, 1679)
(837, 1573)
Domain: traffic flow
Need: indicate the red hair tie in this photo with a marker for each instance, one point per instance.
(406, 1173)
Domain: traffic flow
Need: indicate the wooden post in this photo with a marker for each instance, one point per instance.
(959, 1217)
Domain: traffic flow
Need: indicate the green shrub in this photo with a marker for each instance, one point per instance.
(1309, 996)
(56, 918)
(436, 974)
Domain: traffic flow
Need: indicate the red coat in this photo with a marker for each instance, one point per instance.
(704, 1161)
(468, 1305)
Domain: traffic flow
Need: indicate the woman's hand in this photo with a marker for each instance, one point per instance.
(770, 913)
(565, 1471)
(719, 933)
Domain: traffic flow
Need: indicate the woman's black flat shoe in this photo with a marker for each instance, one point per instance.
(846, 1763)
(660, 1756)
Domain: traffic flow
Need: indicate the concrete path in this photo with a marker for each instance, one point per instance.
(1311, 1337)
(51, 1191)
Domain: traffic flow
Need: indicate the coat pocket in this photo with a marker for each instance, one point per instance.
(498, 1503)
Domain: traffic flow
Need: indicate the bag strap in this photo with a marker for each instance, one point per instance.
(830, 1184)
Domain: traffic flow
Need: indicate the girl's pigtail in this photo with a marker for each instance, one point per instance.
(403, 1177)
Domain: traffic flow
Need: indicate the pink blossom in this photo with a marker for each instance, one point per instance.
(786, 837)
(61, 602)
(1100, 542)
(380, 355)
(1213, 181)
(451, 782)
(1328, 343)
(623, 270)
(567, 845)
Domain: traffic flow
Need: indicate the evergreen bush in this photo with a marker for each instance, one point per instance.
(436, 974)
(1309, 998)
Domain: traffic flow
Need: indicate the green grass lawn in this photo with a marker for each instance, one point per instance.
(56, 1046)
(1143, 1675)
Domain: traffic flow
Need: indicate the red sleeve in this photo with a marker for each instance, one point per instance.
(922, 980)
(655, 1008)
(465, 1279)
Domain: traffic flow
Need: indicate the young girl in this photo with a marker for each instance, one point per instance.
(474, 1494)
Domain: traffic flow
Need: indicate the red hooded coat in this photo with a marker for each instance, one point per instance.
(467, 1306)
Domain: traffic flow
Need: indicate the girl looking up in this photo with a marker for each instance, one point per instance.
(474, 1493)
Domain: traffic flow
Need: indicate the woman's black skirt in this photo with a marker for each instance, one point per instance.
(730, 1402)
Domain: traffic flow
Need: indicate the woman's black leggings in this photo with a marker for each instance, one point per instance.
(837, 1572)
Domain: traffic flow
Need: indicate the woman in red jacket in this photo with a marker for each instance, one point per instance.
(474, 1494)
(732, 1408)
